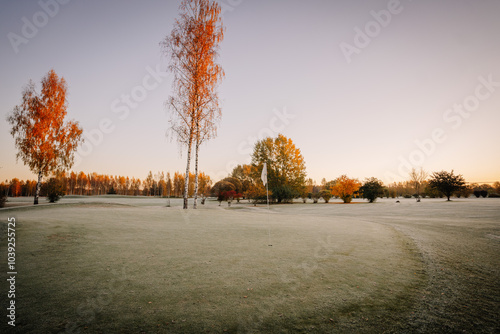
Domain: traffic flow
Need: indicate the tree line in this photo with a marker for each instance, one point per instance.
(286, 175)
(93, 184)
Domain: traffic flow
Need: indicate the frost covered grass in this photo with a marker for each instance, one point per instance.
(131, 265)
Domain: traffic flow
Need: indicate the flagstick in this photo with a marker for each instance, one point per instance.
(268, 227)
(263, 177)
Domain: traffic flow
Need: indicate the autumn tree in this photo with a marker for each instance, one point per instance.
(45, 142)
(244, 174)
(178, 184)
(371, 189)
(204, 185)
(169, 185)
(417, 179)
(220, 188)
(286, 169)
(256, 192)
(15, 187)
(345, 188)
(447, 183)
(496, 186)
(309, 185)
(192, 48)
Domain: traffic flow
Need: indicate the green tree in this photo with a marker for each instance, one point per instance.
(4, 189)
(447, 183)
(55, 189)
(286, 169)
(371, 189)
(326, 194)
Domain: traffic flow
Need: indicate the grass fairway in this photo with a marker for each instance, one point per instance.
(133, 265)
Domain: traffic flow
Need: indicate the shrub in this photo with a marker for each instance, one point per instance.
(326, 195)
(257, 193)
(229, 196)
(315, 197)
(372, 189)
(283, 193)
(345, 188)
(55, 190)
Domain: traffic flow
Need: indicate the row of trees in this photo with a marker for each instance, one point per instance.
(158, 184)
(286, 180)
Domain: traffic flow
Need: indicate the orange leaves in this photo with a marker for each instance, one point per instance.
(44, 141)
(345, 188)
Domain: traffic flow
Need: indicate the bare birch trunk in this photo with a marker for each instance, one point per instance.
(197, 146)
(38, 186)
(186, 180)
(196, 176)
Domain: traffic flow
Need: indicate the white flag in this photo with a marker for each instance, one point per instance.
(263, 176)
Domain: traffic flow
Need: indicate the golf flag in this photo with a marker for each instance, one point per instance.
(263, 176)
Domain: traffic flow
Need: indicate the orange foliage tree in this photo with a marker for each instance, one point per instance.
(345, 188)
(45, 142)
(192, 48)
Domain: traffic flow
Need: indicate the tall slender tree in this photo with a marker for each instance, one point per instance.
(192, 48)
(45, 142)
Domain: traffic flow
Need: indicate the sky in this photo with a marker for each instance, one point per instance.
(363, 88)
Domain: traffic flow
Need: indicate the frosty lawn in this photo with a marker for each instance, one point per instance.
(103, 264)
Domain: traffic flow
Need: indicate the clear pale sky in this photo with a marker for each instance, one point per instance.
(363, 88)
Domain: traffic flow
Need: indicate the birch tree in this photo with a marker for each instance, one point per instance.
(45, 142)
(192, 48)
